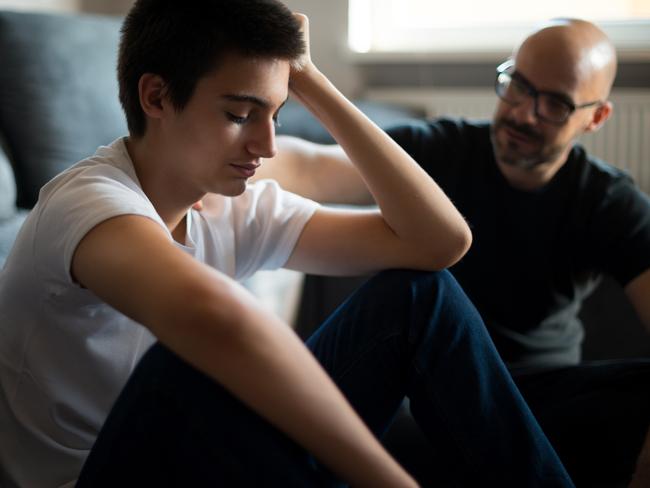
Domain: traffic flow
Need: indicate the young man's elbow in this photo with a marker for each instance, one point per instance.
(463, 243)
(455, 247)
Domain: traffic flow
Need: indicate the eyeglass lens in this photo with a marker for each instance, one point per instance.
(547, 107)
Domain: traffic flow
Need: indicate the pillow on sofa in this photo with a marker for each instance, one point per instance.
(58, 92)
(296, 120)
(7, 185)
(11, 218)
(9, 228)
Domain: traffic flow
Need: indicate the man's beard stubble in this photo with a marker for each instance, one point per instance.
(509, 153)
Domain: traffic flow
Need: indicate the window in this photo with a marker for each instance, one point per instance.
(478, 26)
(41, 5)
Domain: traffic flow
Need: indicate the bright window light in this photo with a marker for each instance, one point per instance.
(478, 25)
(360, 25)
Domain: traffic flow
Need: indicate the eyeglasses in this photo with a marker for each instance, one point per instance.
(550, 107)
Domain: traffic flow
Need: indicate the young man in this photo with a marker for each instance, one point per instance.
(115, 260)
(548, 221)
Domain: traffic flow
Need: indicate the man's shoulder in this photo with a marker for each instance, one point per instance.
(598, 165)
(445, 127)
(447, 138)
(596, 174)
(463, 125)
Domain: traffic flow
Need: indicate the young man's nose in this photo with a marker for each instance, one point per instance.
(262, 140)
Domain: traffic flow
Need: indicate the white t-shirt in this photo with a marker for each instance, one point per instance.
(65, 355)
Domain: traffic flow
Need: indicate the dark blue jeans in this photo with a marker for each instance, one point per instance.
(595, 414)
(401, 334)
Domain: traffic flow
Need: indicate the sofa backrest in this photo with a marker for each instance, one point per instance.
(58, 93)
(7, 185)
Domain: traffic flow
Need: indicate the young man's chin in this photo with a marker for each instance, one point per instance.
(233, 189)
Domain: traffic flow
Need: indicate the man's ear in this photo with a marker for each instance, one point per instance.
(151, 89)
(601, 114)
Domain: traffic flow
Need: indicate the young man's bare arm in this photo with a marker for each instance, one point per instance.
(217, 326)
(416, 227)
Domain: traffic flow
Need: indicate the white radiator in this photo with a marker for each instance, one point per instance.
(623, 141)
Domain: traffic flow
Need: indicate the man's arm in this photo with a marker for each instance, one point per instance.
(218, 327)
(323, 173)
(638, 292)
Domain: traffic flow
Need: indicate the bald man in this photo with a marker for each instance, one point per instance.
(548, 220)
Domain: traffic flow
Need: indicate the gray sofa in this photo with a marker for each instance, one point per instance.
(58, 102)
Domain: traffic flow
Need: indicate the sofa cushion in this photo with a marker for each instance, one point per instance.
(58, 92)
(9, 228)
(295, 120)
(7, 184)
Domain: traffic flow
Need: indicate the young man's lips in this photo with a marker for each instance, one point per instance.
(246, 170)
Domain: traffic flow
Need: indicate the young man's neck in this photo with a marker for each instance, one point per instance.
(162, 189)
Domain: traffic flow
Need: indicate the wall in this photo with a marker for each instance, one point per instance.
(42, 5)
(110, 7)
(329, 51)
(328, 28)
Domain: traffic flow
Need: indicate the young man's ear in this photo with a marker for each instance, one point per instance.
(601, 114)
(151, 89)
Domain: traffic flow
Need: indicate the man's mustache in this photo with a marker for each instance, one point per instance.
(523, 129)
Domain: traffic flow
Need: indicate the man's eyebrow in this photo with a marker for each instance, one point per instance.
(260, 102)
(559, 95)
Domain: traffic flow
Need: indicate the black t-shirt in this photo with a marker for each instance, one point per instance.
(535, 255)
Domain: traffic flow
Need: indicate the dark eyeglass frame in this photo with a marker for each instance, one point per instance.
(506, 68)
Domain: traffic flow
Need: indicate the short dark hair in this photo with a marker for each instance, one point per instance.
(182, 41)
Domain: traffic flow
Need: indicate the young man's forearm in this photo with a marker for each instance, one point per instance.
(411, 202)
(262, 362)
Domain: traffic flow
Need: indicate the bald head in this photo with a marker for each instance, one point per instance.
(577, 50)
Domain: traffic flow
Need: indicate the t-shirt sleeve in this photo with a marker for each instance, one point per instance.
(621, 234)
(76, 205)
(267, 223)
